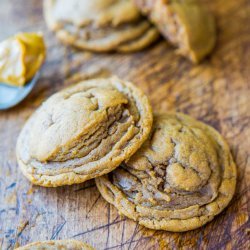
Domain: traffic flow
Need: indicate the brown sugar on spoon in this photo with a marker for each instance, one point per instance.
(180, 179)
(83, 132)
(185, 23)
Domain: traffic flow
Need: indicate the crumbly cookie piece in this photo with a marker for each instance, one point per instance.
(186, 24)
(180, 178)
(57, 245)
(83, 132)
(99, 25)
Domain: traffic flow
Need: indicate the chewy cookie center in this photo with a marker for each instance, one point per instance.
(188, 167)
(78, 122)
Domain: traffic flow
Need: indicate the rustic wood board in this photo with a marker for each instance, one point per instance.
(216, 92)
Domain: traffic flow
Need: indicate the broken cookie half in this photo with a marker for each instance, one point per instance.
(99, 25)
(83, 132)
(180, 178)
(185, 23)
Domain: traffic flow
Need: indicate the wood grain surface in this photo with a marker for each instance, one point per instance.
(216, 92)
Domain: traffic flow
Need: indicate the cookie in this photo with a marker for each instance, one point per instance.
(57, 245)
(180, 178)
(186, 24)
(99, 25)
(83, 132)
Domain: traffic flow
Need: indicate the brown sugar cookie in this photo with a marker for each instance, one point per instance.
(99, 25)
(83, 132)
(180, 178)
(57, 245)
(186, 24)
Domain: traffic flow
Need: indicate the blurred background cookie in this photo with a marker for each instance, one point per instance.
(186, 24)
(99, 25)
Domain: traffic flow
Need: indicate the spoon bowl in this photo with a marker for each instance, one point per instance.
(11, 95)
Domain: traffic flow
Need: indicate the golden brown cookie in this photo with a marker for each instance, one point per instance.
(83, 132)
(99, 25)
(57, 245)
(186, 24)
(180, 178)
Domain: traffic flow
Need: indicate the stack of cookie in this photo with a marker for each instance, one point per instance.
(166, 171)
(118, 25)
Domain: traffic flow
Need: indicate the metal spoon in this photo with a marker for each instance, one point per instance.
(11, 96)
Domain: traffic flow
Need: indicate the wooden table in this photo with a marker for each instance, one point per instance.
(216, 92)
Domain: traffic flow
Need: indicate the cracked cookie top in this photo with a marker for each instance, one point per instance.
(83, 132)
(99, 25)
(180, 178)
(57, 245)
